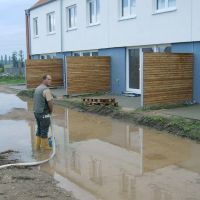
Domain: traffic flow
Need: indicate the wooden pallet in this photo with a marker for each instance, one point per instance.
(98, 101)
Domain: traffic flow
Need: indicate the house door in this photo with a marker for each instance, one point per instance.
(133, 71)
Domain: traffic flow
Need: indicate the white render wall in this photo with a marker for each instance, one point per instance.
(195, 20)
(46, 43)
(85, 37)
(181, 25)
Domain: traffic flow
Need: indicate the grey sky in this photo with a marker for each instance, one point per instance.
(12, 25)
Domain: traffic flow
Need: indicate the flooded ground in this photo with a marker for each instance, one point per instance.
(103, 159)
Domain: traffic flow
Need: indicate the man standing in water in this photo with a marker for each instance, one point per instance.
(43, 107)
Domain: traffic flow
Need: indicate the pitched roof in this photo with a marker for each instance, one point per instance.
(40, 3)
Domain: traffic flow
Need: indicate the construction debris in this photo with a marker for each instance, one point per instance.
(98, 101)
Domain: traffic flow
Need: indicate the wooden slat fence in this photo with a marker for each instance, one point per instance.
(88, 74)
(36, 68)
(167, 78)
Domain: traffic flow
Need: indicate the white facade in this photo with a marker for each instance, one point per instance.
(146, 27)
(45, 42)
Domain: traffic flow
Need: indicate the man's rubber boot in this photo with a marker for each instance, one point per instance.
(45, 144)
(37, 143)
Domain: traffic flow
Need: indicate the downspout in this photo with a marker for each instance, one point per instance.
(61, 25)
(28, 42)
(61, 42)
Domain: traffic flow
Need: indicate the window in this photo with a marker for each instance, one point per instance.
(76, 54)
(35, 27)
(163, 48)
(93, 9)
(85, 53)
(95, 53)
(165, 4)
(71, 17)
(127, 8)
(43, 57)
(51, 22)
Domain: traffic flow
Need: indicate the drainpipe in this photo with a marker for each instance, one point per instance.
(61, 42)
(61, 25)
(28, 42)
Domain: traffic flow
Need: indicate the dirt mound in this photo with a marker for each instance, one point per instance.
(27, 183)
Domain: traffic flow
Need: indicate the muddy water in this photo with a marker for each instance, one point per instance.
(104, 159)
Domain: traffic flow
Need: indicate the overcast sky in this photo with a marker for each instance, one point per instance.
(12, 25)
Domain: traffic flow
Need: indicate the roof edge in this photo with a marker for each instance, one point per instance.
(39, 5)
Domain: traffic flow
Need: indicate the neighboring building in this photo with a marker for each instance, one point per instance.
(122, 29)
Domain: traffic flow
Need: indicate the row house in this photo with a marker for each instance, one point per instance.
(121, 29)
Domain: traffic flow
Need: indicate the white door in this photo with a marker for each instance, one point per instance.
(133, 75)
(134, 68)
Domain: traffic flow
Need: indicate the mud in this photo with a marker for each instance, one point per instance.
(6, 89)
(7, 157)
(31, 184)
(18, 114)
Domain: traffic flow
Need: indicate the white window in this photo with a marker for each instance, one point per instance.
(165, 48)
(86, 53)
(76, 54)
(94, 53)
(43, 57)
(71, 17)
(35, 27)
(165, 4)
(51, 22)
(93, 10)
(127, 8)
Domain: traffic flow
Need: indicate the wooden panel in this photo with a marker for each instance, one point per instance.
(88, 74)
(35, 69)
(167, 78)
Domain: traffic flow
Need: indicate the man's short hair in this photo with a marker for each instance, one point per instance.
(44, 77)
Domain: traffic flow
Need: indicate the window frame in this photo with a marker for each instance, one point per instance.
(96, 12)
(68, 17)
(167, 8)
(130, 14)
(35, 27)
(53, 23)
(81, 53)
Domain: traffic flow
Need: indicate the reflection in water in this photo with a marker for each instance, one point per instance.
(10, 101)
(96, 171)
(101, 158)
(16, 135)
(75, 162)
(106, 159)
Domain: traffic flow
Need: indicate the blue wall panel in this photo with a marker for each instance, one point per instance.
(192, 47)
(35, 57)
(118, 68)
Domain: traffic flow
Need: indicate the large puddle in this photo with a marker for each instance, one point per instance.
(103, 159)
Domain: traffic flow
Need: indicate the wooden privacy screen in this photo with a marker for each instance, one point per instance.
(36, 68)
(88, 74)
(167, 78)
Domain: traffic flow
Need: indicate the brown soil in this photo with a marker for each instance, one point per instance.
(6, 89)
(27, 183)
(17, 114)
